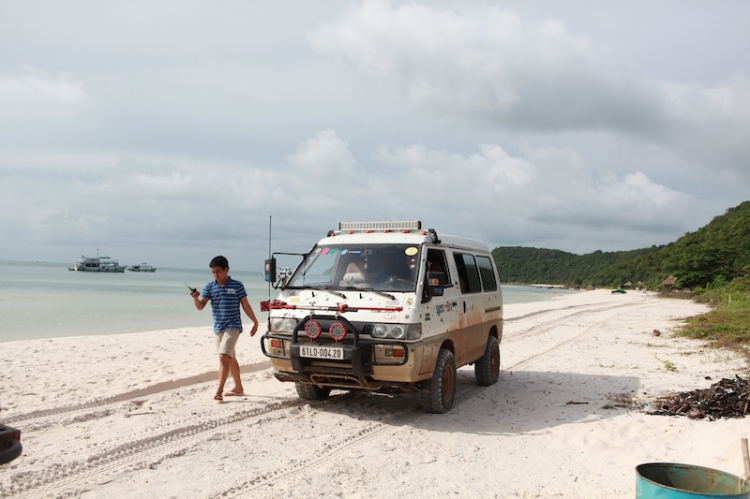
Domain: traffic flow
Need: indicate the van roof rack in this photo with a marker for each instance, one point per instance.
(392, 225)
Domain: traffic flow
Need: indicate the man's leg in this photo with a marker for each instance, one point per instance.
(225, 362)
(234, 368)
(228, 361)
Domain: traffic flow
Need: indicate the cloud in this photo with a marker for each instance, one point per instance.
(445, 179)
(577, 126)
(484, 68)
(135, 201)
(40, 111)
(37, 93)
(485, 65)
(325, 155)
(712, 123)
(547, 195)
(552, 191)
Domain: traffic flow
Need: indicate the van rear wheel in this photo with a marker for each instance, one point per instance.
(311, 392)
(487, 368)
(441, 389)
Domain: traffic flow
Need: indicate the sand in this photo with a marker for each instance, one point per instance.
(132, 415)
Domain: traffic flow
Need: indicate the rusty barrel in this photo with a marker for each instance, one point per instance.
(683, 481)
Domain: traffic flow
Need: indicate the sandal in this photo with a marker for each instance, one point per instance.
(234, 394)
(218, 397)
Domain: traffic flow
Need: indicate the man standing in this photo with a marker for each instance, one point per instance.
(227, 296)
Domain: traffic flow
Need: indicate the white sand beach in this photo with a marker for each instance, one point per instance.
(132, 415)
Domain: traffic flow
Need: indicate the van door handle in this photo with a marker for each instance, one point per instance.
(464, 306)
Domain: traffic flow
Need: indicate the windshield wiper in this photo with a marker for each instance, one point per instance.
(370, 290)
(327, 287)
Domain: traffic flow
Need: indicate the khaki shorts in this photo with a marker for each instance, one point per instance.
(226, 341)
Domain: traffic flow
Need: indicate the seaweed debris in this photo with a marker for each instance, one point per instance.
(728, 398)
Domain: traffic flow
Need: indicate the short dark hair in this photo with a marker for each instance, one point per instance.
(219, 261)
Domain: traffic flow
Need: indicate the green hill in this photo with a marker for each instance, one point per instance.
(535, 265)
(716, 253)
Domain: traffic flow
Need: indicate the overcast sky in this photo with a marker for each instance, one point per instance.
(168, 132)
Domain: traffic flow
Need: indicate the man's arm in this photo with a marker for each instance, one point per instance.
(249, 311)
(200, 301)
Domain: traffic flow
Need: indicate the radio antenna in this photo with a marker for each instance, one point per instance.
(270, 220)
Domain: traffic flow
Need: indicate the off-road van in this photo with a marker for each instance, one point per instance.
(386, 307)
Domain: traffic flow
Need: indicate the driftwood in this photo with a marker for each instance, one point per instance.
(728, 398)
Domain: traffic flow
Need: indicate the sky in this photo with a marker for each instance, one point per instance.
(169, 132)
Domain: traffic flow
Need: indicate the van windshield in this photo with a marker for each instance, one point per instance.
(376, 267)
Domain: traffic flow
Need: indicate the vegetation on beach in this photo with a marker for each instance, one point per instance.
(727, 325)
(670, 366)
(711, 265)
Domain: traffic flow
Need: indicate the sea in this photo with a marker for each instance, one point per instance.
(46, 300)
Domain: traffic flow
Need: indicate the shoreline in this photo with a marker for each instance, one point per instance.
(93, 304)
(129, 415)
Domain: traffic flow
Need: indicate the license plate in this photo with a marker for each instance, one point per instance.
(322, 352)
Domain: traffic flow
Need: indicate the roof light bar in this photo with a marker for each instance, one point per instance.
(399, 225)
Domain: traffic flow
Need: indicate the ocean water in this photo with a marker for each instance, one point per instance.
(45, 300)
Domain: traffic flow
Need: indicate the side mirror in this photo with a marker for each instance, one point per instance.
(269, 272)
(435, 283)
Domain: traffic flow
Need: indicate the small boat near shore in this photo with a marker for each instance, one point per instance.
(143, 267)
(98, 264)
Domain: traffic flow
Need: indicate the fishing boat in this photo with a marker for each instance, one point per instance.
(98, 264)
(144, 267)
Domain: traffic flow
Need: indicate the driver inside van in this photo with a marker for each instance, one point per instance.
(353, 275)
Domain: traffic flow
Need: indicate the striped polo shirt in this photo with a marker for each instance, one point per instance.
(225, 303)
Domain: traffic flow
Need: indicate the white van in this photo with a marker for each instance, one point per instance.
(386, 307)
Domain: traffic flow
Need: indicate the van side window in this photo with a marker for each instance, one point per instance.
(468, 273)
(488, 275)
(436, 263)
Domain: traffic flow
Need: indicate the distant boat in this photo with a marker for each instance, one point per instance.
(144, 267)
(98, 264)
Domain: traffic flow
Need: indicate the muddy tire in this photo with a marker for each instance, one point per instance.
(9, 451)
(487, 369)
(311, 392)
(440, 391)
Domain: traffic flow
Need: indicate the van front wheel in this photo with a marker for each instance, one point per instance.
(441, 389)
(487, 369)
(311, 392)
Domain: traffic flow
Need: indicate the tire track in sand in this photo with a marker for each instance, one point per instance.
(629, 307)
(294, 473)
(71, 478)
(585, 310)
(127, 396)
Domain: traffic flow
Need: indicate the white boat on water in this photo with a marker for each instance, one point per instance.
(98, 264)
(144, 267)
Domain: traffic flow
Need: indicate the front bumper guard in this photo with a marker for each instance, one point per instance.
(359, 355)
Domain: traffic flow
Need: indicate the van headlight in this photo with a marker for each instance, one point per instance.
(397, 331)
(283, 325)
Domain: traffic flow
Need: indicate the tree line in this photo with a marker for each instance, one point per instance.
(713, 255)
